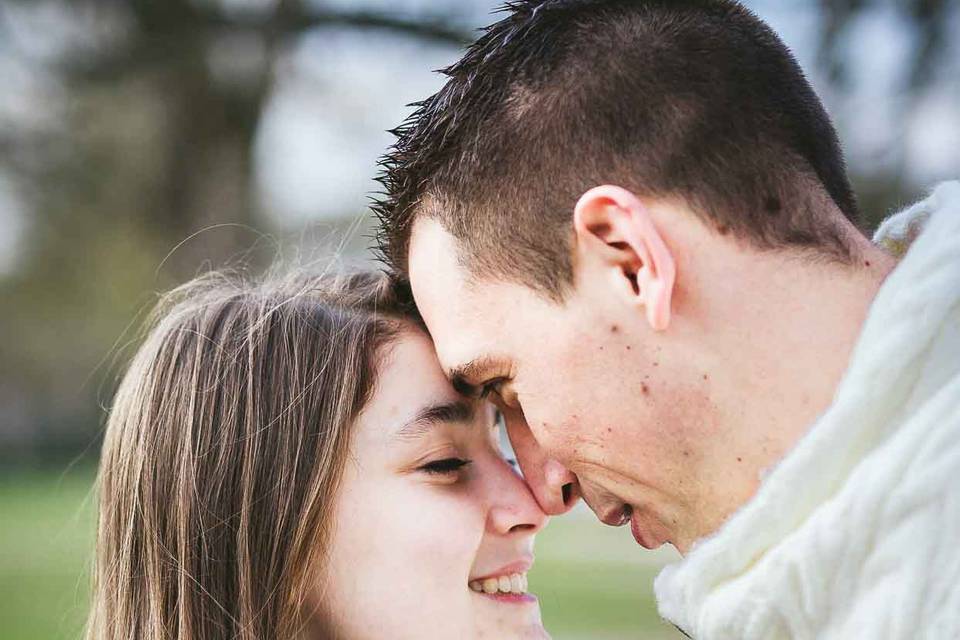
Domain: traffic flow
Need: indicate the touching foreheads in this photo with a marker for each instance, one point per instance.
(693, 100)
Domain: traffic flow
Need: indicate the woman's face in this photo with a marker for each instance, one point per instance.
(430, 518)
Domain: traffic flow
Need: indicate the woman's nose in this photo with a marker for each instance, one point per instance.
(513, 509)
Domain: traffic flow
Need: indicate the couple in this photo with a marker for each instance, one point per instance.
(626, 228)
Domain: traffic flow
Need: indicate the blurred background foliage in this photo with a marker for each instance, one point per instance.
(142, 141)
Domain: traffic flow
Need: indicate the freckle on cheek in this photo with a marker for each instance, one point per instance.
(644, 387)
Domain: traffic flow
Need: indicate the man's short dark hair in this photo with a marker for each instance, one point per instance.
(691, 99)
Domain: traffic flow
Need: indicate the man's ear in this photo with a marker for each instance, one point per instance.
(614, 226)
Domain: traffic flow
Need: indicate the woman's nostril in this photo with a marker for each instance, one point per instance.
(567, 491)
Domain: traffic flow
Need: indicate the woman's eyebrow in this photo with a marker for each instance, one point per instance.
(457, 411)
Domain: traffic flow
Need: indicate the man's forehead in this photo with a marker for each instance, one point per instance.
(467, 319)
(439, 290)
(433, 266)
(431, 244)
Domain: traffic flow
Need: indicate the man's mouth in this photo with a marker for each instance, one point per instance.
(646, 536)
(617, 517)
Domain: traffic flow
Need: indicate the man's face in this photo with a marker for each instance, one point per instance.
(586, 388)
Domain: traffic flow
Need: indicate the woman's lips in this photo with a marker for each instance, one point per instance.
(508, 584)
(511, 598)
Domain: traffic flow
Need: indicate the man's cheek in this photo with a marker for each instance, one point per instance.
(564, 436)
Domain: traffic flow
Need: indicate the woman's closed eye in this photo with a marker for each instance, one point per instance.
(446, 466)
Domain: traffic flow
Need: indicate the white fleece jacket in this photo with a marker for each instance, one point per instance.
(855, 534)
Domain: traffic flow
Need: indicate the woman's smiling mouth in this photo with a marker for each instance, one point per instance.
(509, 584)
(513, 583)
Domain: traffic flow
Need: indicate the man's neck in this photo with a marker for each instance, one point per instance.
(785, 334)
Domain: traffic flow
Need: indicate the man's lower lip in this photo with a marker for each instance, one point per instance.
(642, 537)
(510, 598)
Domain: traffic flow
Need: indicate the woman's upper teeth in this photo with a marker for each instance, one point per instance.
(513, 583)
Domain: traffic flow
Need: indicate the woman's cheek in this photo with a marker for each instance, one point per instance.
(438, 532)
(444, 527)
(406, 552)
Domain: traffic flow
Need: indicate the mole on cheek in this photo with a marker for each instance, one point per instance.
(644, 387)
(614, 328)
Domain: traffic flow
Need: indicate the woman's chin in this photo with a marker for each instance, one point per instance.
(527, 631)
(518, 618)
(535, 632)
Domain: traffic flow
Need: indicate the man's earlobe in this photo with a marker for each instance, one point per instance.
(614, 225)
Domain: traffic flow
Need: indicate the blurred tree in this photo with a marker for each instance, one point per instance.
(153, 152)
(188, 80)
(927, 22)
(928, 19)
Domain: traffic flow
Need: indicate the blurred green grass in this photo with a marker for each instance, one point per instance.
(46, 536)
(593, 581)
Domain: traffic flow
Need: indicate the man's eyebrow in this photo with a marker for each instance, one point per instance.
(457, 412)
(466, 377)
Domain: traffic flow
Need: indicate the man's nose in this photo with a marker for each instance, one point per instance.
(560, 489)
(554, 486)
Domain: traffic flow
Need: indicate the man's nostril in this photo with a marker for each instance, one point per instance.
(567, 491)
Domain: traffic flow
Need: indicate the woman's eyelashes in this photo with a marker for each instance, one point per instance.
(446, 466)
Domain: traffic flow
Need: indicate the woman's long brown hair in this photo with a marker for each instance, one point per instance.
(223, 451)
